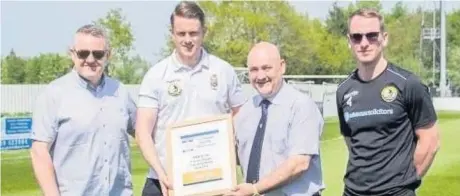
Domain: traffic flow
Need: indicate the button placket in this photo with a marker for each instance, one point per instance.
(106, 169)
(103, 119)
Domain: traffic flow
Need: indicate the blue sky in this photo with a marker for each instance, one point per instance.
(34, 27)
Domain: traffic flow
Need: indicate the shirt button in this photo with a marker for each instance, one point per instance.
(101, 109)
(103, 125)
(105, 160)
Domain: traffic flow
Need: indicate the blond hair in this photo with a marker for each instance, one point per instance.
(368, 13)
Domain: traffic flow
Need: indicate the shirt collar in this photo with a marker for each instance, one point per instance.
(204, 61)
(83, 82)
(276, 99)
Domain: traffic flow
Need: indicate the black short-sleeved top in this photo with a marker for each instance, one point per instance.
(378, 120)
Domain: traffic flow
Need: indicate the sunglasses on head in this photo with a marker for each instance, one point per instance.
(358, 37)
(84, 54)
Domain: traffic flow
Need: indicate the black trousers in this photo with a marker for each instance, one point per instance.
(399, 191)
(152, 188)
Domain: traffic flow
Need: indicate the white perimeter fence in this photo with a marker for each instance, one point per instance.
(21, 98)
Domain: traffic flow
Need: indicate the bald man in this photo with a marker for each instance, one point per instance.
(281, 128)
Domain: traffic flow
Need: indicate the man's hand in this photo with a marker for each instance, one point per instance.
(165, 184)
(244, 189)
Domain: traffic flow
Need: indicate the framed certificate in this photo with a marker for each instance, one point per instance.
(201, 156)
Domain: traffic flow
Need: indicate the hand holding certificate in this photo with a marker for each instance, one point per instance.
(201, 156)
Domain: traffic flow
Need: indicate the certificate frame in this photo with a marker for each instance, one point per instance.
(191, 127)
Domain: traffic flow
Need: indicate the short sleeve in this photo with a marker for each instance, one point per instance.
(306, 129)
(344, 129)
(149, 91)
(235, 91)
(44, 120)
(419, 103)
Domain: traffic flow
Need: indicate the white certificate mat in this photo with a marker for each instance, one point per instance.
(201, 156)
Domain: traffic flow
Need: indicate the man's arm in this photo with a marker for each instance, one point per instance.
(43, 168)
(427, 146)
(132, 112)
(236, 97)
(44, 134)
(146, 120)
(423, 117)
(303, 144)
(287, 171)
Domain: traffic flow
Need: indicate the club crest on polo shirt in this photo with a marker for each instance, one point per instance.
(213, 81)
(174, 88)
(389, 93)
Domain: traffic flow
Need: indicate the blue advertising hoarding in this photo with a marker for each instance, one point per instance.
(16, 133)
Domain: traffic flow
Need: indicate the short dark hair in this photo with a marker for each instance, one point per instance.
(188, 9)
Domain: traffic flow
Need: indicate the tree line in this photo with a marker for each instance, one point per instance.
(310, 46)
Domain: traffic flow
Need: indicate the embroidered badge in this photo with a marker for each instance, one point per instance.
(389, 93)
(213, 81)
(174, 89)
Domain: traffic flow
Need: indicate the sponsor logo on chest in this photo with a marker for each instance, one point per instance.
(374, 108)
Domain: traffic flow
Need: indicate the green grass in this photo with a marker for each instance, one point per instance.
(442, 180)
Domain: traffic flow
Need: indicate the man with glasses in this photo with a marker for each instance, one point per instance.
(188, 84)
(386, 117)
(81, 123)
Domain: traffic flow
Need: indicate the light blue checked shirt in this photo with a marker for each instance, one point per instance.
(88, 132)
(294, 127)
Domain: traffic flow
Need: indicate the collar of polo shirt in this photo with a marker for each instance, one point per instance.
(276, 98)
(203, 62)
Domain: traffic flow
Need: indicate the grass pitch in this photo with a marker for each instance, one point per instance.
(17, 177)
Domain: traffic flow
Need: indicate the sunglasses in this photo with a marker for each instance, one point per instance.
(84, 54)
(358, 37)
